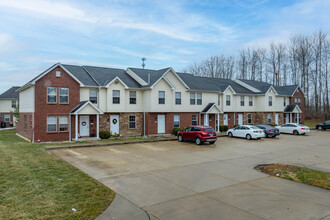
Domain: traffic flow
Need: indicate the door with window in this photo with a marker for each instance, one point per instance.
(225, 119)
(114, 124)
(240, 119)
(276, 118)
(84, 126)
(161, 124)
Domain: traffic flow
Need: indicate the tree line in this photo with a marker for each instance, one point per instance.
(302, 60)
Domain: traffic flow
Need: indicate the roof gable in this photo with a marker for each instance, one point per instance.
(10, 93)
(86, 107)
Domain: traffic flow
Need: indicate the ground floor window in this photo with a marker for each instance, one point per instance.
(269, 119)
(63, 121)
(132, 122)
(194, 120)
(51, 124)
(176, 121)
(297, 118)
(7, 117)
(249, 120)
(25, 122)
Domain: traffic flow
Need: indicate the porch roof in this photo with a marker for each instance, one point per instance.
(212, 108)
(292, 109)
(86, 107)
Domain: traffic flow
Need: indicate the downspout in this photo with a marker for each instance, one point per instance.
(144, 114)
(33, 127)
(70, 127)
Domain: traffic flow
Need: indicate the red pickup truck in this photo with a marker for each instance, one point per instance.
(198, 134)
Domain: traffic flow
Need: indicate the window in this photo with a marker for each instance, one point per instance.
(249, 118)
(250, 101)
(284, 101)
(176, 121)
(218, 99)
(199, 98)
(58, 73)
(242, 100)
(13, 103)
(64, 95)
(194, 120)
(269, 119)
(115, 96)
(192, 98)
(132, 97)
(30, 120)
(161, 97)
(63, 121)
(93, 96)
(228, 100)
(51, 95)
(7, 117)
(131, 122)
(270, 100)
(299, 103)
(178, 98)
(295, 101)
(25, 122)
(51, 124)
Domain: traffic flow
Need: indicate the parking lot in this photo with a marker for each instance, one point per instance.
(173, 180)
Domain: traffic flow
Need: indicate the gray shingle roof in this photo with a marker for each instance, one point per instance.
(208, 107)
(144, 74)
(290, 108)
(286, 90)
(10, 93)
(78, 106)
(262, 86)
(81, 74)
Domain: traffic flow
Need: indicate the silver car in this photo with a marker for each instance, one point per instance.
(293, 128)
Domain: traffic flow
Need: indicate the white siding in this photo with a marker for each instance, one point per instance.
(5, 106)
(123, 99)
(84, 94)
(26, 100)
(88, 110)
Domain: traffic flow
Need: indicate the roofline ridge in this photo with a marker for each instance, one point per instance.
(91, 76)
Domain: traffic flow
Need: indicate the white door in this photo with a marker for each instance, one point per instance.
(225, 119)
(287, 118)
(276, 118)
(206, 120)
(240, 119)
(161, 124)
(114, 124)
(84, 126)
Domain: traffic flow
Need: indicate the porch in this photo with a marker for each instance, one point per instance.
(292, 114)
(211, 111)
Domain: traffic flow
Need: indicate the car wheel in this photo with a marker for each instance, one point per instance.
(212, 142)
(320, 128)
(248, 136)
(180, 138)
(230, 134)
(295, 132)
(198, 141)
(269, 136)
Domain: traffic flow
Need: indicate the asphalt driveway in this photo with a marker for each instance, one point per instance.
(172, 180)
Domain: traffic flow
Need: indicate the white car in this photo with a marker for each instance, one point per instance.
(246, 131)
(293, 128)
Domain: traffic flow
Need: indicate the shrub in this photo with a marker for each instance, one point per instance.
(105, 134)
(223, 128)
(236, 126)
(273, 125)
(176, 130)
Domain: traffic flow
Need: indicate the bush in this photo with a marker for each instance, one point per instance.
(273, 125)
(223, 128)
(105, 134)
(176, 130)
(236, 126)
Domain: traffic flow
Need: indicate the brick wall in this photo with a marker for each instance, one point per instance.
(43, 109)
(299, 94)
(2, 118)
(27, 131)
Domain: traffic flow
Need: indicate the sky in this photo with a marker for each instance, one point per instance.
(36, 34)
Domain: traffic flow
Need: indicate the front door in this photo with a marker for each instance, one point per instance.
(161, 124)
(225, 119)
(240, 119)
(276, 118)
(114, 124)
(84, 126)
(287, 118)
(206, 120)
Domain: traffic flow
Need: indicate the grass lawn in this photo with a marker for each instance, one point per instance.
(37, 185)
(298, 174)
(313, 123)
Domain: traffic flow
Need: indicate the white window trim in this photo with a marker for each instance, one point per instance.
(113, 96)
(52, 95)
(59, 123)
(130, 97)
(63, 95)
(176, 121)
(51, 124)
(6, 118)
(129, 117)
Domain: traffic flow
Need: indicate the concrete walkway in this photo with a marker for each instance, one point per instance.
(172, 180)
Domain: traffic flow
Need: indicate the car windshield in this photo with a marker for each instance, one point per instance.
(208, 130)
(300, 125)
(254, 127)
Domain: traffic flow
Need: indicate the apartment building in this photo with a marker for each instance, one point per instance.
(68, 102)
(8, 103)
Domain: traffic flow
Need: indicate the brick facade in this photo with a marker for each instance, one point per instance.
(24, 126)
(2, 118)
(299, 94)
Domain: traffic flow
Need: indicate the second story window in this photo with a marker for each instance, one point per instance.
(250, 101)
(13, 103)
(242, 100)
(218, 99)
(296, 101)
(116, 96)
(161, 97)
(299, 102)
(192, 98)
(270, 100)
(228, 100)
(93, 96)
(178, 98)
(199, 98)
(51, 95)
(64, 95)
(284, 101)
(132, 97)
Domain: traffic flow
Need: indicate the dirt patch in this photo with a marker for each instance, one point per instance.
(298, 174)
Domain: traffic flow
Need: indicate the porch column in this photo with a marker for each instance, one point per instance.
(218, 129)
(76, 133)
(97, 125)
(290, 117)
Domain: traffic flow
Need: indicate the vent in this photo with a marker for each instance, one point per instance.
(58, 73)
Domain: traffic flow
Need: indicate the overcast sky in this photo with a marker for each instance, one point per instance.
(35, 34)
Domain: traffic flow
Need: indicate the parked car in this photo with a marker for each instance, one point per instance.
(293, 128)
(323, 126)
(198, 134)
(246, 131)
(270, 131)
